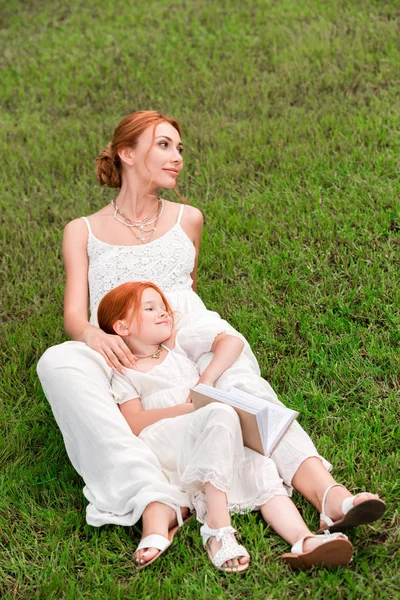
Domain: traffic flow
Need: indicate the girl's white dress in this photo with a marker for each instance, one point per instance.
(121, 474)
(204, 446)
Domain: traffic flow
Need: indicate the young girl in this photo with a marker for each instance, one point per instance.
(201, 452)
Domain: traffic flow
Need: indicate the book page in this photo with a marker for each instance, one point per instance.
(273, 420)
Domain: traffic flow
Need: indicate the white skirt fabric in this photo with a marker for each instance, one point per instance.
(122, 475)
(207, 446)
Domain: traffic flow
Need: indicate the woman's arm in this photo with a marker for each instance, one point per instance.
(138, 418)
(76, 299)
(192, 224)
(227, 349)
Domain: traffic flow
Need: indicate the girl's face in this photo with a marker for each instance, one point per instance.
(153, 324)
(157, 156)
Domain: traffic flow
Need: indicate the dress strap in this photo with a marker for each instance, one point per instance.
(165, 347)
(180, 214)
(87, 225)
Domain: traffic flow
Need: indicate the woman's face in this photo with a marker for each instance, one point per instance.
(153, 324)
(157, 156)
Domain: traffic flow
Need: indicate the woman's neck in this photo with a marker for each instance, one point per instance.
(137, 201)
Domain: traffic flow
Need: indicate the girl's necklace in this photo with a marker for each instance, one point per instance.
(156, 353)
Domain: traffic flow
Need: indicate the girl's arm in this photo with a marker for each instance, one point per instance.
(192, 224)
(138, 418)
(227, 349)
(76, 300)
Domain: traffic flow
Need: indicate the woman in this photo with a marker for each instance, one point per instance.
(140, 237)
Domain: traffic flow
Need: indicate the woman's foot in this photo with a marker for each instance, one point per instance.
(341, 510)
(157, 519)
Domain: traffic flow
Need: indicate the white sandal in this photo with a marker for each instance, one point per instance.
(353, 515)
(155, 540)
(229, 550)
(335, 551)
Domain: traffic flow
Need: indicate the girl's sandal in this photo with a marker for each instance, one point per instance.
(154, 540)
(229, 550)
(335, 551)
(353, 515)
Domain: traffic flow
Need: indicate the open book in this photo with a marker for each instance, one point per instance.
(263, 423)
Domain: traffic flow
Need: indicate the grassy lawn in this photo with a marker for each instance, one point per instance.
(290, 112)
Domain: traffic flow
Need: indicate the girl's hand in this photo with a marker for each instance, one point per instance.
(112, 348)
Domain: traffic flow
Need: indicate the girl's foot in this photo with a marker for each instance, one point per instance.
(331, 549)
(341, 510)
(223, 550)
(157, 519)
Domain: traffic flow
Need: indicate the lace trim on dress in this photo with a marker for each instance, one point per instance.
(200, 505)
(219, 481)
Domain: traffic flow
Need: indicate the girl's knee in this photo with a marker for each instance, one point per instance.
(223, 412)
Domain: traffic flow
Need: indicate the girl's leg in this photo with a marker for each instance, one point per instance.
(218, 516)
(285, 519)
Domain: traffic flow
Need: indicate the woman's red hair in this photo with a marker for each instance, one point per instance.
(116, 304)
(126, 135)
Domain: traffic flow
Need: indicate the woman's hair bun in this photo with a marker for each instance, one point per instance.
(108, 169)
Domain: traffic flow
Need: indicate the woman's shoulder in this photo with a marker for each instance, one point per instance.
(81, 225)
(76, 229)
(192, 215)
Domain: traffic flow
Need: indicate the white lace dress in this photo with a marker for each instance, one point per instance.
(121, 474)
(204, 446)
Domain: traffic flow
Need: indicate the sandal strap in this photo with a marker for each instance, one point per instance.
(154, 540)
(297, 547)
(206, 532)
(323, 515)
(348, 503)
(229, 550)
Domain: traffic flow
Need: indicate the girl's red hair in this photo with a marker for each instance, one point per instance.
(126, 135)
(116, 304)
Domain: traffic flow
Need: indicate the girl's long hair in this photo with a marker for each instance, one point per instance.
(117, 304)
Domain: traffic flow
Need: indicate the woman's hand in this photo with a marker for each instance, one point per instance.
(112, 348)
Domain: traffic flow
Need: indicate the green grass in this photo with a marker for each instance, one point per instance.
(290, 115)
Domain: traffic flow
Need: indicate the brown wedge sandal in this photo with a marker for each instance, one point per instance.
(353, 515)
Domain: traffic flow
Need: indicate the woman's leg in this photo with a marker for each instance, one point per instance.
(311, 480)
(296, 458)
(122, 476)
(156, 518)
